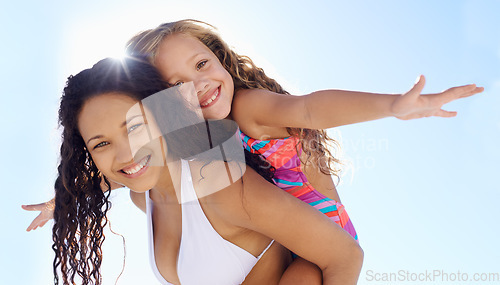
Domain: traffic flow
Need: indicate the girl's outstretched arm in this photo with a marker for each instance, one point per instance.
(332, 108)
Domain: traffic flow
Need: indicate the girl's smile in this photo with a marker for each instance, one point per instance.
(182, 58)
(210, 98)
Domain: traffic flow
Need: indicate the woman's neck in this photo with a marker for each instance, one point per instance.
(167, 189)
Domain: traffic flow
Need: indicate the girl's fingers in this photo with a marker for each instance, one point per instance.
(418, 87)
(465, 90)
(474, 91)
(458, 93)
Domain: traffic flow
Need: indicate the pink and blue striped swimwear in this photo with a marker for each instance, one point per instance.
(283, 156)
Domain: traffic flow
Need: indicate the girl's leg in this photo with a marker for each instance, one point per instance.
(301, 271)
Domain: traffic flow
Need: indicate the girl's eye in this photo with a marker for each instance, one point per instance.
(178, 83)
(133, 127)
(201, 64)
(101, 144)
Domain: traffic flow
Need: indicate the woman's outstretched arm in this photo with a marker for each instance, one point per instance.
(46, 209)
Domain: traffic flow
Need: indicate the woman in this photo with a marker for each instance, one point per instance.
(241, 215)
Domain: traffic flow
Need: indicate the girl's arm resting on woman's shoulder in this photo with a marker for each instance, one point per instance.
(332, 108)
(264, 208)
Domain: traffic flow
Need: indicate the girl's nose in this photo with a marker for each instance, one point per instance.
(201, 87)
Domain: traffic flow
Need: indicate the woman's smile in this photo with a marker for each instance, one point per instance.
(136, 169)
(103, 119)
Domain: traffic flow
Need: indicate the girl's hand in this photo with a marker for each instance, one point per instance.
(46, 213)
(413, 105)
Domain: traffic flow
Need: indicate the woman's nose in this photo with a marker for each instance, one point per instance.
(123, 152)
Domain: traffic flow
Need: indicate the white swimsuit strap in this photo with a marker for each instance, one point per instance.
(264, 251)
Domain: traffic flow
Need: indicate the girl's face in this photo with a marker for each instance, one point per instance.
(182, 58)
(108, 129)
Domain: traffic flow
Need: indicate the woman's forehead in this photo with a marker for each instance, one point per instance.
(103, 111)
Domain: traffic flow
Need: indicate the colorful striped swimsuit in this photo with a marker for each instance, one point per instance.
(283, 156)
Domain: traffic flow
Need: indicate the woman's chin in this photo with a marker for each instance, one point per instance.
(140, 189)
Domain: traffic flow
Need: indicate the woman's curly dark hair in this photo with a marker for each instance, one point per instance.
(80, 203)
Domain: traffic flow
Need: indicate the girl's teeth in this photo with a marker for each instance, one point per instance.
(211, 98)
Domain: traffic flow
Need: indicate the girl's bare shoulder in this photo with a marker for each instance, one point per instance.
(250, 110)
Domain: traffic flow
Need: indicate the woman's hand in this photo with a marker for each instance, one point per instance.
(46, 213)
(413, 105)
(47, 209)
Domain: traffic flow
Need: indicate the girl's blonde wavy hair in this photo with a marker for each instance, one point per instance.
(316, 144)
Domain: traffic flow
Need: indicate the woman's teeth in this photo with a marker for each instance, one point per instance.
(138, 166)
(211, 98)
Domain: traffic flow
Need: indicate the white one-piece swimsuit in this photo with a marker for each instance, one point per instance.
(204, 256)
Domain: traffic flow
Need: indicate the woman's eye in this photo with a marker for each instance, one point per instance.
(133, 127)
(178, 83)
(101, 144)
(201, 64)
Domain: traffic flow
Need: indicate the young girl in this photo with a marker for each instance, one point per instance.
(285, 129)
(210, 239)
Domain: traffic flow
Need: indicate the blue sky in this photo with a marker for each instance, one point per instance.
(422, 194)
